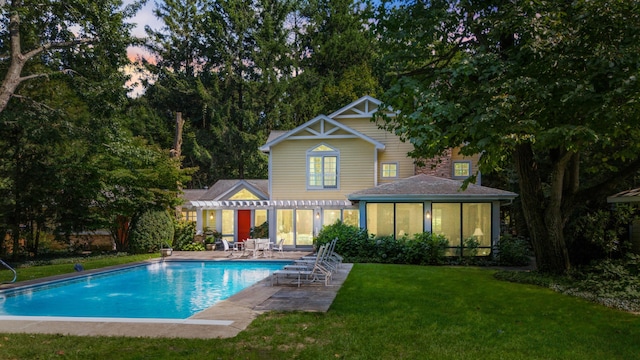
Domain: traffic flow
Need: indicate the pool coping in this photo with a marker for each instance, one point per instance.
(223, 320)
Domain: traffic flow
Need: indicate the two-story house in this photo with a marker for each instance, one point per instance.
(343, 167)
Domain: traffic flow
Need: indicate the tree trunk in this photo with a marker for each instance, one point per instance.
(176, 152)
(544, 220)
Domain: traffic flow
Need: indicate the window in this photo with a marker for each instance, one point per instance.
(461, 169)
(390, 170)
(462, 222)
(395, 219)
(189, 215)
(322, 168)
(351, 217)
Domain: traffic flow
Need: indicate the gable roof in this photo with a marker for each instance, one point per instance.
(426, 187)
(222, 189)
(321, 127)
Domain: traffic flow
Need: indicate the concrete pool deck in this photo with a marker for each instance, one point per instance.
(223, 320)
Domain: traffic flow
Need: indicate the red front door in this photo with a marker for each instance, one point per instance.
(244, 224)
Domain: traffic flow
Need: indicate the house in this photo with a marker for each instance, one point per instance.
(343, 167)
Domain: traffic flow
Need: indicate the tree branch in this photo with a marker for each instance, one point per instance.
(58, 45)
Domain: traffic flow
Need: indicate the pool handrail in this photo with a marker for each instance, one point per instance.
(15, 274)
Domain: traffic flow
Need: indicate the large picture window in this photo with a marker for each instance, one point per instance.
(395, 219)
(467, 227)
(322, 167)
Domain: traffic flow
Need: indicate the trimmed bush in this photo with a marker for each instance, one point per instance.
(185, 232)
(149, 230)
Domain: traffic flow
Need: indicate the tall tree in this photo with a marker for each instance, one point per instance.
(550, 87)
(232, 95)
(50, 32)
(337, 56)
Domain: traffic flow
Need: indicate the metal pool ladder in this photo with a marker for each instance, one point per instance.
(15, 275)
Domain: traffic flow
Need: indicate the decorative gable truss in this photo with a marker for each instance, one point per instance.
(321, 128)
(365, 107)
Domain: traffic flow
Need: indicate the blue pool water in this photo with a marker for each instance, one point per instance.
(171, 290)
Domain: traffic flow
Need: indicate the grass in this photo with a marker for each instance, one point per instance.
(64, 266)
(391, 312)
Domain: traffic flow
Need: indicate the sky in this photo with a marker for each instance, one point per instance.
(143, 17)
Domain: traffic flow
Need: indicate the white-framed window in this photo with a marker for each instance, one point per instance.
(389, 170)
(189, 215)
(323, 163)
(461, 169)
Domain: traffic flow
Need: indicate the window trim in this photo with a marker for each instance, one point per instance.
(453, 169)
(322, 154)
(382, 176)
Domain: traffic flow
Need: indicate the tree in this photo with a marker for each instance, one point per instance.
(335, 56)
(227, 75)
(52, 32)
(550, 88)
(137, 177)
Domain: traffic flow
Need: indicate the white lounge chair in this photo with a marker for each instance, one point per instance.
(308, 273)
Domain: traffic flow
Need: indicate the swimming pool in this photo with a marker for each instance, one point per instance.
(161, 290)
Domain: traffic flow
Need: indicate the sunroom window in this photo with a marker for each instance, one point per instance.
(322, 167)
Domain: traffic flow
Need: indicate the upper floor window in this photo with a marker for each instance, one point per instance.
(322, 167)
(461, 169)
(389, 170)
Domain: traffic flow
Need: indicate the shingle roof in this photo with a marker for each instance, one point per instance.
(428, 187)
(632, 195)
(193, 194)
(222, 186)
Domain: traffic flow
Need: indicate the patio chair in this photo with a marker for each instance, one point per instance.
(229, 248)
(250, 247)
(321, 262)
(312, 273)
(332, 259)
(279, 247)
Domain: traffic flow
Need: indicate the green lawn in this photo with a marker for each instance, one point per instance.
(392, 312)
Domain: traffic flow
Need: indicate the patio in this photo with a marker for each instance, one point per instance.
(223, 320)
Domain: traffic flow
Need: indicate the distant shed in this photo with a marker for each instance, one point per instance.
(630, 196)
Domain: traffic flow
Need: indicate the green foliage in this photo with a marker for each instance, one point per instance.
(150, 230)
(513, 251)
(260, 231)
(614, 283)
(185, 231)
(194, 246)
(601, 233)
(356, 245)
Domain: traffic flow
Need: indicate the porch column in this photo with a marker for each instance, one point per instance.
(199, 221)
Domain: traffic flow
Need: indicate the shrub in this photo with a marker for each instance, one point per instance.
(513, 251)
(184, 233)
(426, 248)
(260, 231)
(351, 239)
(194, 246)
(356, 245)
(149, 230)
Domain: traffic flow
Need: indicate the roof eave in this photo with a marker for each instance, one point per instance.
(423, 197)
